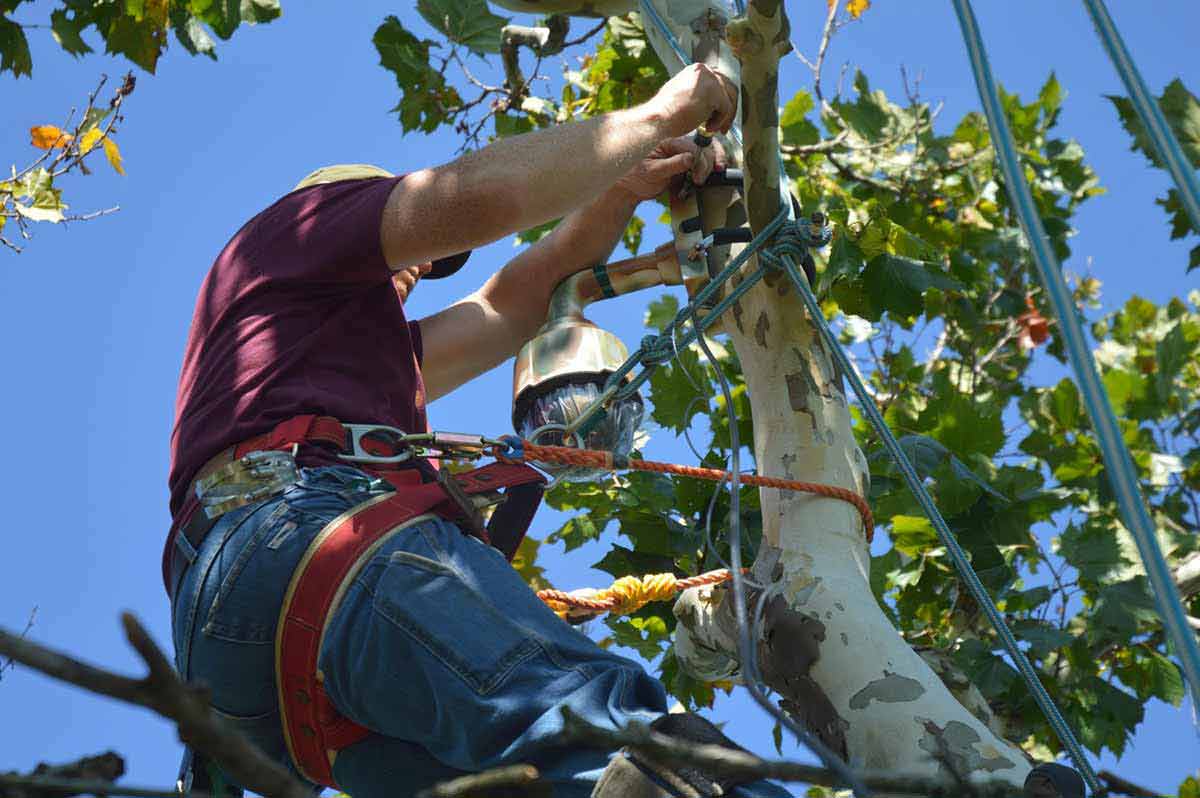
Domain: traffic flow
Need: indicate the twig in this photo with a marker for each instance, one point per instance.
(1119, 786)
(101, 769)
(589, 34)
(162, 691)
(524, 779)
(7, 664)
(16, 786)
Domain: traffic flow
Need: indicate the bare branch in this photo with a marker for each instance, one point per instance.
(8, 663)
(724, 762)
(47, 780)
(1119, 786)
(16, 786)
(522, 780)
(1187, 576)
(162, 691)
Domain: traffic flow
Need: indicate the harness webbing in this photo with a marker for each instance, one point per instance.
(1153, 121)
(1118, 465)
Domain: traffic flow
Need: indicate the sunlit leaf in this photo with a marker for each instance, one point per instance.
(46, 137)
(113, 154)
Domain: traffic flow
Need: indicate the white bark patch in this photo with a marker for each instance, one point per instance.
(891, 689)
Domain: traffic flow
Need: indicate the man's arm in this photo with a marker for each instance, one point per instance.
(522, 181)
(484, 329)
(489, 326)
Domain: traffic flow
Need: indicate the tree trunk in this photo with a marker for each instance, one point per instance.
(827, 649)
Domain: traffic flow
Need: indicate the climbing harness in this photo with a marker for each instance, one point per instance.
(264, 465)
(313, 728)
(1118, 465)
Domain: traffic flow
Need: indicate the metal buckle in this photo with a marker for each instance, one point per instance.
(399, 438)
(251, 477)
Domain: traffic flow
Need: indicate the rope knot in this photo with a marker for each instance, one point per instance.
(654, 351)
(631, 593)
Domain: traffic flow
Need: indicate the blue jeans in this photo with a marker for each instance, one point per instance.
(437, 646)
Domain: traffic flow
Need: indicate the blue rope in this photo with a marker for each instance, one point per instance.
(1119, 466)
(1148, 110)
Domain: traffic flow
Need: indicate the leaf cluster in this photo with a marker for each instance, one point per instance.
(135, 29)
(1182, 112)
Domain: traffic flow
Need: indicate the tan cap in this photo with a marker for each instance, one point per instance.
(342, 171)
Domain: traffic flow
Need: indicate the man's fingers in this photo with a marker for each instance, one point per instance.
(664, 168)
(678, 145)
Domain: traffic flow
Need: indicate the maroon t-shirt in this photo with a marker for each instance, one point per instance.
(298, 315)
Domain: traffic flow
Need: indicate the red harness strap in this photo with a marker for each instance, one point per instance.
(312, 727)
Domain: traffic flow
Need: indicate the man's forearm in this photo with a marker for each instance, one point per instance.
(521, 290)
(515, 183)
(490, 325)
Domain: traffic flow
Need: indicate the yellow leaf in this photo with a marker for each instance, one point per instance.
(89, 139)
(46, 137)
(113, 155)
(857, 7)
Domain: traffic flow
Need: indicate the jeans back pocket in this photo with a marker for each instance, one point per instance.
(462, 630)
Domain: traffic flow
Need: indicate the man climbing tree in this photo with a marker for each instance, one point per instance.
(924, 243)
(434, 650)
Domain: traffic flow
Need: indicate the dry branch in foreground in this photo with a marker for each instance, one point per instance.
(162, 691)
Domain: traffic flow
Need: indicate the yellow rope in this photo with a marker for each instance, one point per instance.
(627, 594)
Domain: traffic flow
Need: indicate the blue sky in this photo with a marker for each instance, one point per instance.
(93, 318)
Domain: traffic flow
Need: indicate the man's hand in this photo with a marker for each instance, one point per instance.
(671, 157)
(697, 95)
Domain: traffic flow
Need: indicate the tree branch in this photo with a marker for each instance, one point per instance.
(724, 762)
(162, 691)
(514, 780)
(1187, 576)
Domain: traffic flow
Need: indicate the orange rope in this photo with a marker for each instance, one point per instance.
(630, 593)
(594, 458)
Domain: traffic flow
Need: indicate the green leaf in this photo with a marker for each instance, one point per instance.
(14, 49)
(256, 11)
(661, 311)
(1151, 675)
(141, 41)
(845, 260)
(1173, 353)
(1043, 638)
(1125, 608)
(66, 31)
(913, 535)
(621, 561)
(425, 96)
(190, 33)
(1182, 111)
(466, 22)
(897, 284)
(964, 425)
(796, 127)
(575, 532)
(1051, 98)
